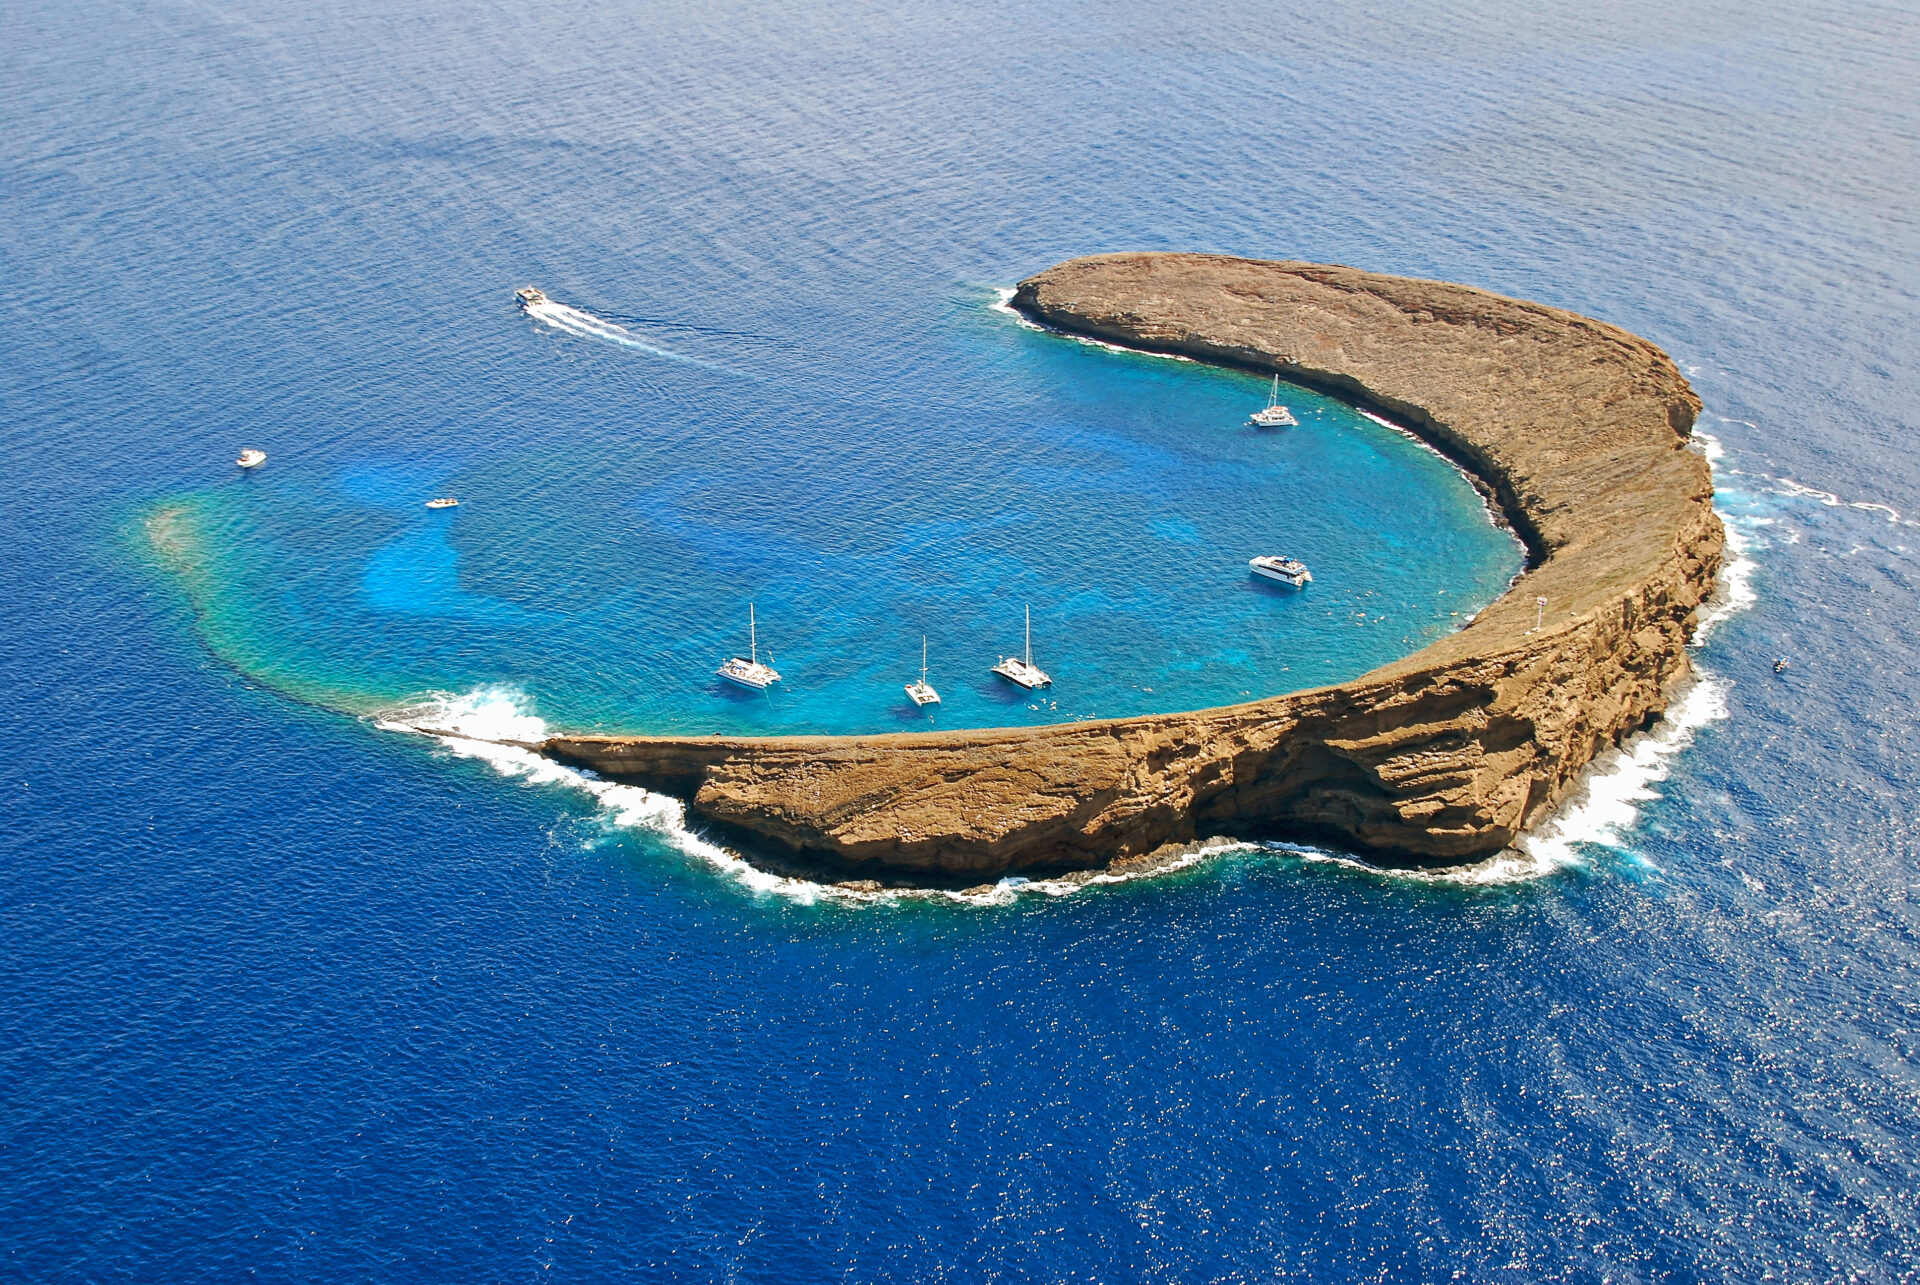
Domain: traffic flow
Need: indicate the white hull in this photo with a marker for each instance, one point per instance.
(922, 694)
(1297, 579)
(1018, 672)
(747, 673)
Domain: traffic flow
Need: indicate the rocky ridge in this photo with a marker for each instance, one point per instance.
(1576, 429)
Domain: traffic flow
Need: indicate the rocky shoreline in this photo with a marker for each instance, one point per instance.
(1576, 429)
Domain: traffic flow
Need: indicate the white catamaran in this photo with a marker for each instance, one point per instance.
(922, 693)
(747, 670)
(1286, 570)
(1024, 672)
(1274, 415)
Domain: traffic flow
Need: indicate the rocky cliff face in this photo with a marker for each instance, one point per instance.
(1578, 430)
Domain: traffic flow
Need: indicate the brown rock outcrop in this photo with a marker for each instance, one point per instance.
(1577, 429)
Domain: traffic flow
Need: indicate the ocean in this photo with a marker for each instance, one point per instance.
(297, 990)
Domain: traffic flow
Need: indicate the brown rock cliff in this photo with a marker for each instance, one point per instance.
(1575, 427)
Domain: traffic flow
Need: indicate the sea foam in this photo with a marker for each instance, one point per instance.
(496, 725)
(1603, 811)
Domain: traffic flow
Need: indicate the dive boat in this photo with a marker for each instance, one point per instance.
(922, 693)
(748, 671)
(444, 502)
(530, 296)
(1286, 570)
(1274, 415)
(1023, 671)
(251, 458)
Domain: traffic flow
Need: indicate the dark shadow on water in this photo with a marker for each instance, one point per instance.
(1264, 588)
(737, 694)
(998, 691)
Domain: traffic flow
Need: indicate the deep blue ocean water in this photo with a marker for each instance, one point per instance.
(290, 993)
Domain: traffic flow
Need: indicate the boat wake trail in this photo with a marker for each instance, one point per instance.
(573, 321)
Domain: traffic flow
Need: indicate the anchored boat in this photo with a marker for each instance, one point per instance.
(1274, 415)
(1289, 571)
(251, 458)
(1023, 671)
(444, 502)
(748, 671)
(922, 693)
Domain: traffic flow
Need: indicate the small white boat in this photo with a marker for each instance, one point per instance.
(922, 693)
(1023, 671)
(1290, 571)
(530, 296)
(1274, 415)
(444, 502)
(251, 458)
(747, 670)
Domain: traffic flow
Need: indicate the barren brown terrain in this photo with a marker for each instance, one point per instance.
(1576, 429)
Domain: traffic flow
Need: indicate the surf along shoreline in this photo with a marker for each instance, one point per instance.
(1577, 430)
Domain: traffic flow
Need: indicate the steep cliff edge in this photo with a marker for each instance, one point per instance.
(1577, 428)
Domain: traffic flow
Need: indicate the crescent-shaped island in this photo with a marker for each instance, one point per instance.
(1574, 429)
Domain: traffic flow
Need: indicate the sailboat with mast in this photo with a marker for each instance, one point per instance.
(922, 693)
(1274, 415)
(1023, 671)
(747, 670)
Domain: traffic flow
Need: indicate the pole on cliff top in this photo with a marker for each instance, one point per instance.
(1539, 614)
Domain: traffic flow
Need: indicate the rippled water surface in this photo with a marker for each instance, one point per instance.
(292, 991)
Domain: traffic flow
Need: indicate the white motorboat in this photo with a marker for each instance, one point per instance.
(444, 502)
(251, 458)
(1023, 671)
(922, 693)
(530, 296)
(747, 670)
(1273, 415)
(1289, 571)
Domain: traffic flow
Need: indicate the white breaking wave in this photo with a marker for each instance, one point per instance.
(494, 725)
(1787, 486)
(1619, 783)
(1790, 487)
(1608, 803)
(576, 322)
(1735, 591)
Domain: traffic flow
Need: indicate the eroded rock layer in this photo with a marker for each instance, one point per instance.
(1578, 430)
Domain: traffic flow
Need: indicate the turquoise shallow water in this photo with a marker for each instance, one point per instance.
(609, 541)
(288, 996)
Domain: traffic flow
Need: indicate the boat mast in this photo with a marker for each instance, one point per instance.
(753, 636)
(923, 660)
(1029, 637)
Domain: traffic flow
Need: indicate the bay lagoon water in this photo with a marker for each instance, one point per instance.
(609, 542)
(294, 995)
